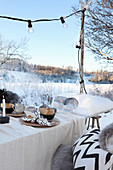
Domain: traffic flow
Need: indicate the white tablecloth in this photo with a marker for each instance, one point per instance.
(27, 148)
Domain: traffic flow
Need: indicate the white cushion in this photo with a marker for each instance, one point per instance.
(87, 154)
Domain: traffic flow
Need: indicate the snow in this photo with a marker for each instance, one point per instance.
(30, 89)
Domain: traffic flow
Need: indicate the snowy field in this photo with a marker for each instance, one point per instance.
(29, 87)
(31, 90)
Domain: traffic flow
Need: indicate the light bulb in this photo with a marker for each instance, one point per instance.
(63, 22)
(30, 30)
(65, 25)
(74, 45)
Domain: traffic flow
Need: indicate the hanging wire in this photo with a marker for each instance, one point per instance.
(12, 18)
(79, 48)
(49, 20)
(39, 20)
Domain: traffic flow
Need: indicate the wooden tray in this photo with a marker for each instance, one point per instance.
(16, 115)
(55, 122)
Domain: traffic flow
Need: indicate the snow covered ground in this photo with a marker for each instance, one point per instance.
(30, 89)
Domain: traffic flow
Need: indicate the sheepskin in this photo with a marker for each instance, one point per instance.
(106, 138)
(9, 96)
(62, 158)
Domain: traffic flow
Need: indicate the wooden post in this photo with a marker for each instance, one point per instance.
(82, 51)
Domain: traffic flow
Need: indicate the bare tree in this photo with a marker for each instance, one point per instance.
(99, 28)
(9, 49)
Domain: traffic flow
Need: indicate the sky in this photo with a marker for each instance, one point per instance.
(50, 43)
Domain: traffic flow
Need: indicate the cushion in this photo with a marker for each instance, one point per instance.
(87, 154)
(62, 159)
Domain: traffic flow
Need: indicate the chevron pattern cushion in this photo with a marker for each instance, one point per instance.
(87, 154)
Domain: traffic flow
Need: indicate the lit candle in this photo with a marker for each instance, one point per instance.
(61, 101)
(3, 106)
(68, 108)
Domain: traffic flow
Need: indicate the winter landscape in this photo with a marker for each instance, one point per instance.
(30, 88)
(48, 51)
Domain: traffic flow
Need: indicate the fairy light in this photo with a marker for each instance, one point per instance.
(30, 29)
(68, 109)
(62, 20)
(61, 101)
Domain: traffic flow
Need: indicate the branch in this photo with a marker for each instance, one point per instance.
(108, 58)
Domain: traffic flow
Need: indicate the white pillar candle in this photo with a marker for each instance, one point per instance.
(3, 101)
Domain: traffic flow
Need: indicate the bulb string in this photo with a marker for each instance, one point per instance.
(42, 20)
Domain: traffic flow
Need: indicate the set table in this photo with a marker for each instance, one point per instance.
(24, 147)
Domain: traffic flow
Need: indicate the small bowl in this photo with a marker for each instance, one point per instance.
(48, 113)
(30, 111)
(9, 107)
(19, 108)
(48, 117)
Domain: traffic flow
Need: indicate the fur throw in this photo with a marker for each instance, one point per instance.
(63, 158)
(106, 138)
(9, 96)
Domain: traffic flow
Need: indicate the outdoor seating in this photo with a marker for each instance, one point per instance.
(85, 153)
(62, 158)
(95, 119)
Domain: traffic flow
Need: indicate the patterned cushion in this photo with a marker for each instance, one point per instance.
(87, 154)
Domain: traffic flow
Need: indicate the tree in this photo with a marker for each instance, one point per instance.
(99, 28)
(9, 49)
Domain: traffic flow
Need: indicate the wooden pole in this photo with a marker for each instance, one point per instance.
(82, 51)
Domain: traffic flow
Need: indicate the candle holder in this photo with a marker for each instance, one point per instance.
(4, 119)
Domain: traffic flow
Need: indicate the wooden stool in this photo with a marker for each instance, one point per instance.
(97, 119)
(93, 121)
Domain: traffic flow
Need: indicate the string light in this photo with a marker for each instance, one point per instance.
(30, 29)
(62, 20)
